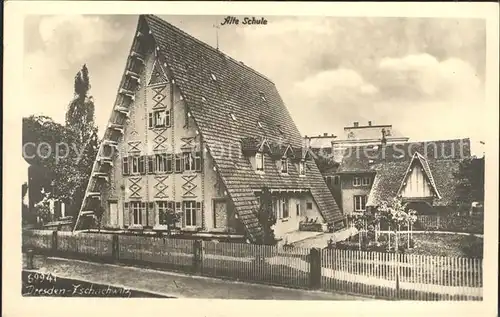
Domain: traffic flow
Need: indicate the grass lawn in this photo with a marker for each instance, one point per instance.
(451, 245)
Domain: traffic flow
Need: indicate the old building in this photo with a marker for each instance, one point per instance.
(199, 133)
(363, 135)
(422, 174)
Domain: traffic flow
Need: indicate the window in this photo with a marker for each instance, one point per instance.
(280, 208)
(161, 163)
(356, 181)
(233, 116)
(188, 161)
(359, 203)
(366, 181)
(125, 166)
(336, 180)
(297, 209)
(262, 96)
(164, 207)
(190, 210)
(134, 165)
(137, 207)
(178, 163)
(309, 206)
(259, 124)
(259, 161)
(302, 168)
(170, 165)
(328, 180)
(284, 165)
(159, 119)
(213, 77)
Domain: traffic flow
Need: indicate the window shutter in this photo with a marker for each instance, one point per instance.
(125, 166)
(126, 214)
(198, 161)
(151, 164)
(170, 163)
(151, 120)
(198, 215)
(167, 118)
(144, 213)
(151, 214)
(180, 207)
(142, 165)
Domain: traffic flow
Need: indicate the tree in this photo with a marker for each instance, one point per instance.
(80, 120)
(470, 183)
(396, 215)
(266, 216)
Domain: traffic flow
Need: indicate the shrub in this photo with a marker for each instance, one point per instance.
(472, 247)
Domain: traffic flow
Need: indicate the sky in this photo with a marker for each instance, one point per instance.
(425, 76)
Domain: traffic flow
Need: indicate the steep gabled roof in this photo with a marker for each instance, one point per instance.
(230, 87)
(417, 157)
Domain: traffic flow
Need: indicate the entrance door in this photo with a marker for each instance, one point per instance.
(113, 214)
(220, 214)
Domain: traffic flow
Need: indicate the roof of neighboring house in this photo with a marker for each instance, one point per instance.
(439, 169)
(359, 159)
(231, 88)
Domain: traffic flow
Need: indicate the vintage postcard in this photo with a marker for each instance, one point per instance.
(315, 156)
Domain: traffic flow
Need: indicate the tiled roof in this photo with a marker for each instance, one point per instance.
(362, 158)
(238, 90)
(440, 169)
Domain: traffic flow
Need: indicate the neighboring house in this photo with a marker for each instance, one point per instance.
(420, 173)
(201, 134)
(370, 134)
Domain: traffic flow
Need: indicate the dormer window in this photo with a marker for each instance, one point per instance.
(233, 116)
(259, 124)
(284, 165)
(302, 168)
(203, 99)
(259, 162)
(279, 129)
(262, 96)
(213, 77)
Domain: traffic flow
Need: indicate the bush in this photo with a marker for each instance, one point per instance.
(472, 247)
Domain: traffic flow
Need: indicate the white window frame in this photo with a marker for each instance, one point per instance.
(134, 162)
(280, 205)
(161, 163)
(356, 181)
(189, 208)
(188, 161)
(136, 207)
(336, 180)
(359, 202)
(259, 162)
(156, 118)
(284, 165)
(366, 181)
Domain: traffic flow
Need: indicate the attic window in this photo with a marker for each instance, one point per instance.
(233, 116)
(213, 77)
(262, 96)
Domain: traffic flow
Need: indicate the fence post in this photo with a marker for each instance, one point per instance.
(115, 255)
(197, 255)
(315, 268)
(54, 242)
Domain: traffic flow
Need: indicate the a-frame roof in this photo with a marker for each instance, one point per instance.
(230, 88)
(417, 157)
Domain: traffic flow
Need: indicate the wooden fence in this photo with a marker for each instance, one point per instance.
(384, 275)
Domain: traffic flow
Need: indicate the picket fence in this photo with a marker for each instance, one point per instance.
(382, 275)
(453, 223)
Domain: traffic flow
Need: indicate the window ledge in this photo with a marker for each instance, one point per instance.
(260, 172)
(300, 175)
(284, 219)
(160, 227)
(284, 174)
(135, 227)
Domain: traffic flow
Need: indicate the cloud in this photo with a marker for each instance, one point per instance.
(422, 75)
(325, 82)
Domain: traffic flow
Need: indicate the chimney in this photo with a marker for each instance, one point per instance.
(325, 134)
(356, 124)
(370, 123)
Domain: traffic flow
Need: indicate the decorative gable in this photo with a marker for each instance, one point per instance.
(418, 181)
(158, 76)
